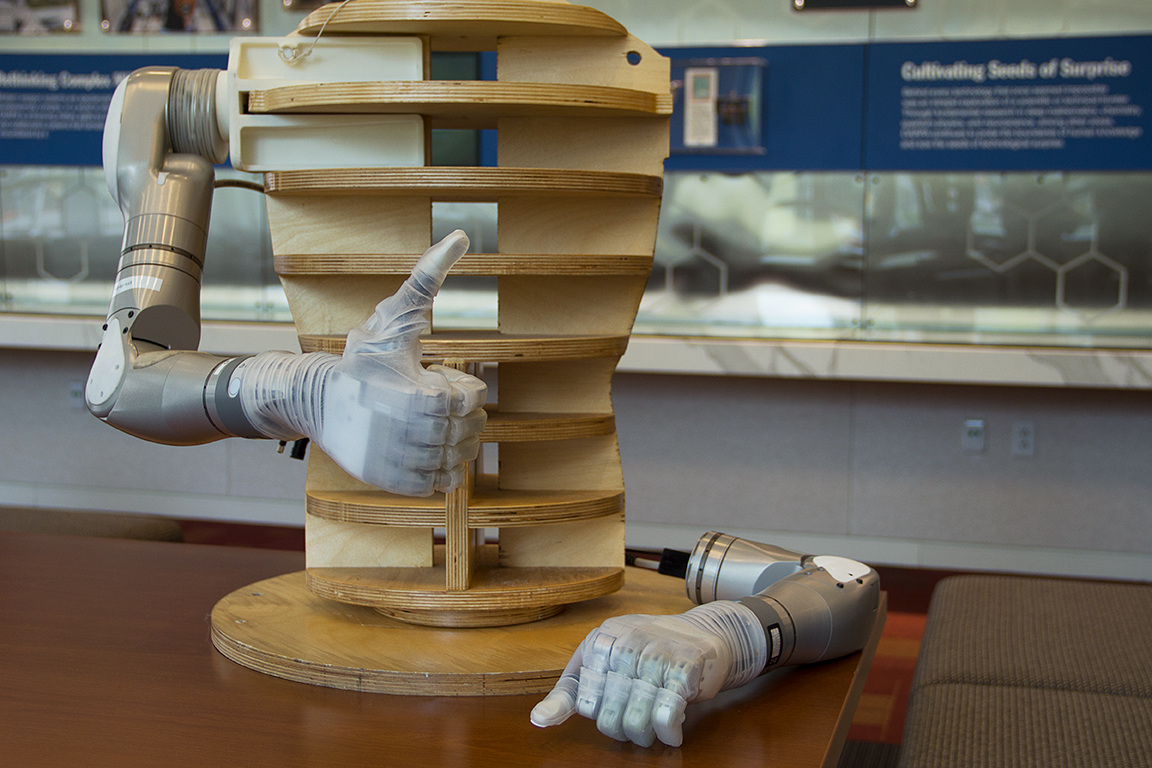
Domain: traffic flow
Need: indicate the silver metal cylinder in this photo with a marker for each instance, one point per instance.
(724, 567)
(192, 125)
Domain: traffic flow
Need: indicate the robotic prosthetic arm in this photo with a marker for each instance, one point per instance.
(760, 608)
(376, 411)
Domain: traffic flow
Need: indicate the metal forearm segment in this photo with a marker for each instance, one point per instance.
(747, 566)
(160, 141)
(811, 608)
(158, 395)
(816, 614)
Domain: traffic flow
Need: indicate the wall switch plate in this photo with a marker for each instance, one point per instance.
(972, 436)
(76, 395)
(1023, 438)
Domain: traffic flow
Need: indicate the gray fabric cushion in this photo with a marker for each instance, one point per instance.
(1046, 633)
(991, 726)
(1019, 671)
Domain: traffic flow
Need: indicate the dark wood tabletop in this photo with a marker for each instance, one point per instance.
(105, 659)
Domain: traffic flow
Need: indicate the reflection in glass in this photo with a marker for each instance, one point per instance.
(997, 257)
(62, 234)
(38, 17)
(178, 16)
(467, 301)
(61, 239)
(993, 258)
(764, 254)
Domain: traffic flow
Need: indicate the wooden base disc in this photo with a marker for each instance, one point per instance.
(492, 590)
(279, 627)
(472, 618)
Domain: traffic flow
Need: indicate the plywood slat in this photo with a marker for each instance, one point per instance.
(492, 347)
(469, 264)
(462, 183)
(460, 99)
(488, 507)
(459, 540)
(492, 589)
(529, 427)
(461, 19)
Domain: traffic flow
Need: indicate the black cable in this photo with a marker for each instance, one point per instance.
(241, 183)
(670, 562)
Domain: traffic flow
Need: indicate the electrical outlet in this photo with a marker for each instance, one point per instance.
(1023, 438)
(76, 395)
(972, 436)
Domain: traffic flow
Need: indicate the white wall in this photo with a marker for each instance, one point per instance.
(54, 454)
(871, 470)
(877, 471)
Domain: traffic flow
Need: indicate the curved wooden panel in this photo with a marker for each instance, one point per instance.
(469, 264)
(452, 183)
(461, 19)
(487, 508)
(471, 619)
(531, 427)
(470, 99)
(377, 508)
(492, 589)
(493, 347)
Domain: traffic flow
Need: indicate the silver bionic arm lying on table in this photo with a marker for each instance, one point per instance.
(812, 608)
(760, 608)
(375, 410)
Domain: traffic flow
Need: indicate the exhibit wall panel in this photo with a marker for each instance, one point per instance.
(830, 224)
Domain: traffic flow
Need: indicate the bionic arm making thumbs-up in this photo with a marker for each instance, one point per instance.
(394, 424)
(375, 410)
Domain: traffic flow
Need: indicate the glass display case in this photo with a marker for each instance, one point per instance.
(1054, 259)
(61, 234)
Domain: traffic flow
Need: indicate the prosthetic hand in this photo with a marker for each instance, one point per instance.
(375, 410)
(635, 675)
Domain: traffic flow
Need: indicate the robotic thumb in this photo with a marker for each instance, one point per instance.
(399, 319)
(558, 705)
(433, 266)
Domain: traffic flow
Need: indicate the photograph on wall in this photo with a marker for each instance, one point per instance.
(178, 16)
(38, 17)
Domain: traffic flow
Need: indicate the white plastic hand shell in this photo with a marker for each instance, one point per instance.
(636, 674)
(375, 410)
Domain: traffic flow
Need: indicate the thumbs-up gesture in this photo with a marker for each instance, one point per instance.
(387, 419)
(376, 411)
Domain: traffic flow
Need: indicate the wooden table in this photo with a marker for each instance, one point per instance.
(105, 659)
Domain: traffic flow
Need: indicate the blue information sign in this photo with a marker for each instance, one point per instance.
(808, 104)
(1010, 105)
(52, 107)
(995, 105)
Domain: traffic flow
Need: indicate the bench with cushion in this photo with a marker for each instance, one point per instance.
(1019, 671)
